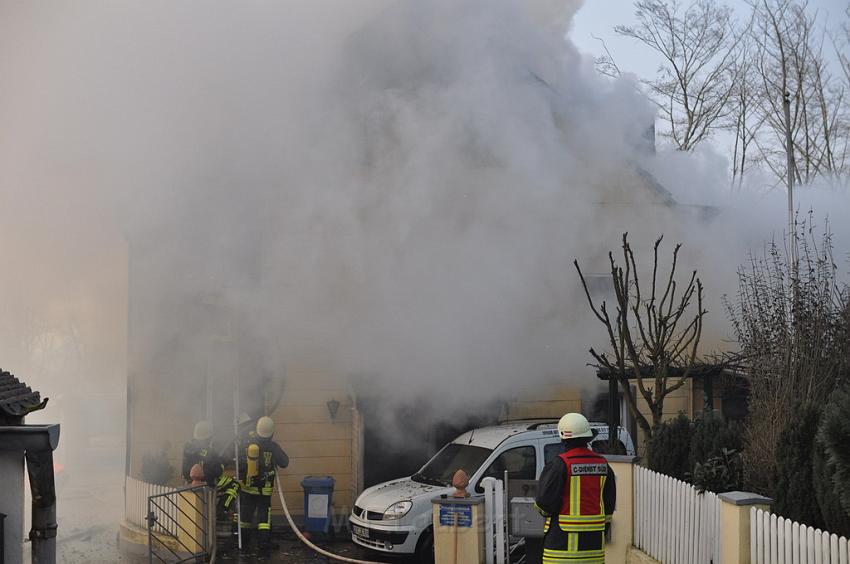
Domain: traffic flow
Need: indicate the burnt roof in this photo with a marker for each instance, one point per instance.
(17, 399)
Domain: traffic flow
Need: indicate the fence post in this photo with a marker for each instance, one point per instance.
(192, 520)
(622, 527)
(735, 524)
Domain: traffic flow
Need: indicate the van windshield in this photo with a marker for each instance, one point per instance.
(453, 457)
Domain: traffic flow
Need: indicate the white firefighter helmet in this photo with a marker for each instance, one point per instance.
(265, 427)
(574, 426)
(203, 431)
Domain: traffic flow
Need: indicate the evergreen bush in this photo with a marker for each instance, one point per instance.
(668, 449)
(832, 463)
(721, 473)
(794, 474)
(835, 519)
(711, 435)
(156, 469)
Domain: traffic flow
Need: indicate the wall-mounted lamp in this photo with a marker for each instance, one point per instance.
(333, 408)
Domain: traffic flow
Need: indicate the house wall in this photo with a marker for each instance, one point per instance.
(316, 444)
(155, 424)
(545, 401)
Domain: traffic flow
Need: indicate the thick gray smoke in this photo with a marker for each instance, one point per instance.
(401, 187)
(397, 188)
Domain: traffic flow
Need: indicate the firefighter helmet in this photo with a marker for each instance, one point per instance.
(574, 426)
(203, 431)
(265, 427)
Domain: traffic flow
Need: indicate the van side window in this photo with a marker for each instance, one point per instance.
(520, 462)
(550, 451)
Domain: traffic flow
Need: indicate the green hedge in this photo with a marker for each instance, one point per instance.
(705, 452)
(794, 476)
(669, 448)
(831, 463)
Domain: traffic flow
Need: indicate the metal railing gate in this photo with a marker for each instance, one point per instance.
(181, 525)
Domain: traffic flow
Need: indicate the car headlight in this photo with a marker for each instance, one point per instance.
(397, 510)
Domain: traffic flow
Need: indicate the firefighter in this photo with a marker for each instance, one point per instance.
(200, 451)
(257, 464)
(577, 494)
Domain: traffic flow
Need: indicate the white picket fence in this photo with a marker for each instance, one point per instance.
(674, 523)
(775, 540)
(136, 494)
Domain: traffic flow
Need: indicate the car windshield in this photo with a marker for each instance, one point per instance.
(453, 457)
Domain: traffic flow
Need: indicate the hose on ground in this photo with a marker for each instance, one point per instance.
(307, 542)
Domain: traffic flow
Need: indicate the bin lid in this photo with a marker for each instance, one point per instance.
(318, 482)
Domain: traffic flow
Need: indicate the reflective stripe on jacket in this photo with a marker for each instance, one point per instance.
(582, 505)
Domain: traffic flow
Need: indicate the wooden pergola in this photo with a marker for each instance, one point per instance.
(705, 372)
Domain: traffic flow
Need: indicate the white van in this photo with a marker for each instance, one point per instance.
(395, 517)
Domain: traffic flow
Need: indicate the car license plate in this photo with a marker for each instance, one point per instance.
(361, 532)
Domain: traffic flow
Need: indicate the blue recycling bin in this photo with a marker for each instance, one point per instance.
(318, 496)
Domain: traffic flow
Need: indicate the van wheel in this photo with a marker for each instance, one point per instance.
(425, 547)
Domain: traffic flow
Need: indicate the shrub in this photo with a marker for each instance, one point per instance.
(792, 326)
(835, 519)
(720, 473)
(793, 476)
(831, 472)
(711, 436)
(156, 469)
(669, 448)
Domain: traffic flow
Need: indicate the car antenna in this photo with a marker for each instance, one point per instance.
(472, 434)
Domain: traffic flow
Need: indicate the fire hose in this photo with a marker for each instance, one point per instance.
(307, 542)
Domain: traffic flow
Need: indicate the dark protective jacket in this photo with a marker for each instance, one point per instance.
(577, 494)
(203, 453)
(271, 457)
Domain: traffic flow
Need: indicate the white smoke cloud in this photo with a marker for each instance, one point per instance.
(398, 188)
(402, 185)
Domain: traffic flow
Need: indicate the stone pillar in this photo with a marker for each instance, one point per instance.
(622, 526)
(458, 530)
(195, 532)
(735, 524)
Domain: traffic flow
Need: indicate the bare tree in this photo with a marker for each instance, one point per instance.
(698, 45)
(744, 119)
(605, 64)
(842, 44)
(789, 61)
(653, 338)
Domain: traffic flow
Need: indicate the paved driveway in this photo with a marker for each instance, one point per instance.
(291, 550)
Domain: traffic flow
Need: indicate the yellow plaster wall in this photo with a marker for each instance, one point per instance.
(545, 401)
(150, 433)
(316, 445)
